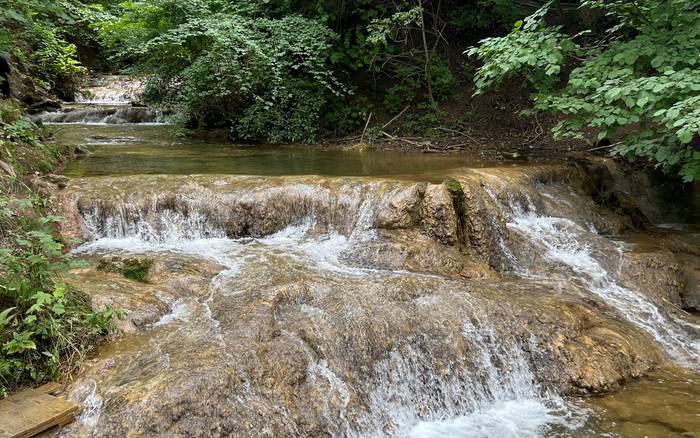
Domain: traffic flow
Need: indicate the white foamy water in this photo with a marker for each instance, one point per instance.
(492, 394)
(110, 90)
(563, 243)
(505, 419)
(107, 100)
(129, 222)
(179, 311)
(88, 396)
(186, 235)
(220, 250)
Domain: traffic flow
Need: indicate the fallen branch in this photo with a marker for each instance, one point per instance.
(607, 146)
(362, 137)
(462, 133)
(395, 117)
(392, 137)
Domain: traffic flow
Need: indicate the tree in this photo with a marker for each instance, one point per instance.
(637, 83)
(228, 65)
(394, 36)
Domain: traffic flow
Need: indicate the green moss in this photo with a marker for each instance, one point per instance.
(459, 203)
(454, 187)
(136, 269)
(415, 213)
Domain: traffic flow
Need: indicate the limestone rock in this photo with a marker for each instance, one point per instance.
(403, 209)
(438, 216)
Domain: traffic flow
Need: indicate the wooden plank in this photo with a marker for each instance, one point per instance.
(33, 411)
(49, 388)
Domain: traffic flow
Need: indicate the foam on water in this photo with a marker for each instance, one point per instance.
(505, 419)
(167, 225)
(324, 250)
(179, 310)
(107, 100)
(220, 250)
(563, 243)
(101, 115)
(110, 90)
(493, 393)
(88, 396)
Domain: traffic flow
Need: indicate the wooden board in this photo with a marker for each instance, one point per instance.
(33, 411)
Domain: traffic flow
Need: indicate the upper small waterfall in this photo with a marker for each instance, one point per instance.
(110, 99)
(110, 90)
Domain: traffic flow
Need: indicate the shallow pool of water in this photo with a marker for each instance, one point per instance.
(663, 404)
(139, 149)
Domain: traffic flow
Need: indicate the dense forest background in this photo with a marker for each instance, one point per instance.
(619, 74)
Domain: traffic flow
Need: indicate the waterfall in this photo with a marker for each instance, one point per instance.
(563, 242)
(110, 89)
(441, 363)
(106, 100)
(492, 392)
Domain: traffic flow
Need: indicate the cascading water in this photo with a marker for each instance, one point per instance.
(105, 100)
(278, 321)
(491, 391)
(111, 89)
(563, 242)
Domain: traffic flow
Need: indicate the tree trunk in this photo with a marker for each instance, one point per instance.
(428, 55)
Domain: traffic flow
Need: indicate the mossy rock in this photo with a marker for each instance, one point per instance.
(136, 269)
(454, 187)
(133, 268)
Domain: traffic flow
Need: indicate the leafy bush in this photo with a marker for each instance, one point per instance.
(46, 327)
(485, 17)
(57, 60)
(20, 143)
(34, 34)
(638, 84)
(264, 78)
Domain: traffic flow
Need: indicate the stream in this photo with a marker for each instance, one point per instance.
(303, 291)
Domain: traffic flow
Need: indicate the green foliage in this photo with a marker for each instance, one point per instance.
(46, 327)
(264, 78)
(444, 81)
(56, 60)
(531, 50)
(638, 84)
(21, 145)
(34, 34)
(423, 120)
(485, 16)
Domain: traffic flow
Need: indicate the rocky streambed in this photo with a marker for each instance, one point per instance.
(296, 292)
(286, 306)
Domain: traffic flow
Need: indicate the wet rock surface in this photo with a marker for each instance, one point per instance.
(348, 307)
(287, 356)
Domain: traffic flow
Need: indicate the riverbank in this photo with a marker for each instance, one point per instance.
(46, 327)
